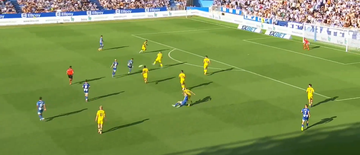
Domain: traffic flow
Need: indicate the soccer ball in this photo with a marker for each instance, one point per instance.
(140, 66)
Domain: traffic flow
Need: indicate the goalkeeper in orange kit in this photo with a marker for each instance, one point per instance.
(306, 44)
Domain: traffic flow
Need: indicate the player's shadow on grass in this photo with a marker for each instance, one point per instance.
(155, 51)
(205, 99)
(219, 71)
(162, 80)
(65, 114)
(323, 121)
(175, 64)
(326, 100)
(125, 125)
(89, 80)
(315, 47)
(200, 85)
(107, 95)
(337, 139)
(140, 71)
(152, 69)
(115, 48)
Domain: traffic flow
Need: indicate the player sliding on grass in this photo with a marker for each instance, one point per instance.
(306, 44)
(187, 96)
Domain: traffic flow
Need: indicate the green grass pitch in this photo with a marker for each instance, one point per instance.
(249, 104)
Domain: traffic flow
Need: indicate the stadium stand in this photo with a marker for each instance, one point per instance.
(337, 13)
(41, 6)
(38, 6)
(180, 4)
(6, 7)
(133, 4)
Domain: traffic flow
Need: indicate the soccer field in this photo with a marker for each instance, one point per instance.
(249, 104)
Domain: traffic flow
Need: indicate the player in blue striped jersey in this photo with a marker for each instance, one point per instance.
(130, 65)
(41, 108)
(306, 115)
(86, 87)
(101, 43)
(114, 66)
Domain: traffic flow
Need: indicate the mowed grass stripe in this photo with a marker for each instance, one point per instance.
(141, 115)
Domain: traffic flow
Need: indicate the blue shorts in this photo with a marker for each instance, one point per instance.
(129, 66)
(86, 92)
(40, 112)
(101, 44)
(114, 69)
(184, 101)
(305, 118)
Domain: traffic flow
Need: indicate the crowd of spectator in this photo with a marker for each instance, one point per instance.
(132, 4)
(337, 13)
(6, 7)
(179, 5)
(39, 6)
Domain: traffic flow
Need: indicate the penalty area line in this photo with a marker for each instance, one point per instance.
(193, 30)
(244, 70)
(347, 99)
(352, 63)
(332, 61)
(331, 47)
(169, 55)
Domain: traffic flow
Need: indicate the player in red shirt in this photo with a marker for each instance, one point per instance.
(70, 73)
(306, 44)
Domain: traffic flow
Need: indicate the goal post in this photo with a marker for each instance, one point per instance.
(327, 34)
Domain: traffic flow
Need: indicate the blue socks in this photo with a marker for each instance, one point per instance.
(40, 116)
(113, 74)
(86, 98)
(130, 70)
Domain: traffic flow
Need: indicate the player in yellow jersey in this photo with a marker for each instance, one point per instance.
(188, 93)
(143, 47)
(145, 72)
(206, 64)
(100, 117)
(310, 91)
(182, 77)
(158, 59)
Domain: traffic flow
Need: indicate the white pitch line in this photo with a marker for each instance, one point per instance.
(259, 38)
(340, 63)
(352, 63)
(185, 51)
(222, 25)
(347, 99)
(212, 23)
(250, 72)
(169, 54)
(322, 45)
(194, 30)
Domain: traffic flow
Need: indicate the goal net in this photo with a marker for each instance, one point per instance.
(347, 38)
